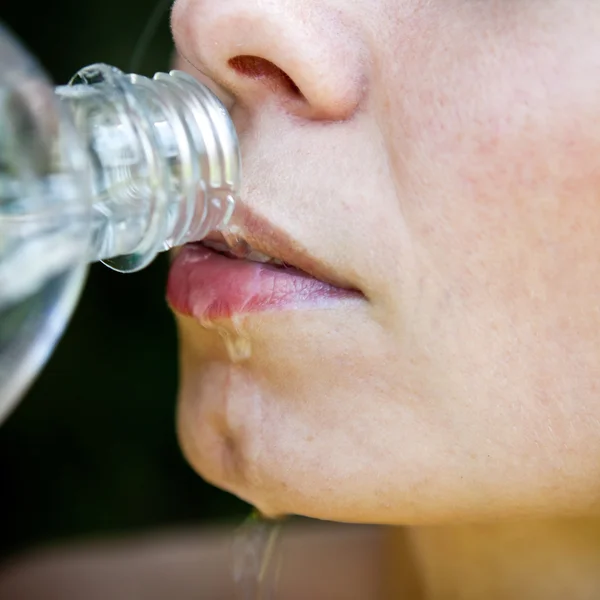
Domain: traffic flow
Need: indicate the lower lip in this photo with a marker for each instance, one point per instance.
(207, 285)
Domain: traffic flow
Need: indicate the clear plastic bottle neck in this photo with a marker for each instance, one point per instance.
(163, 156)
(112, 167)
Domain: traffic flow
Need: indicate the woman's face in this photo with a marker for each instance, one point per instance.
(441, 158)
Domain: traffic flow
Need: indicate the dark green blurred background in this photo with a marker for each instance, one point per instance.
(91, 450)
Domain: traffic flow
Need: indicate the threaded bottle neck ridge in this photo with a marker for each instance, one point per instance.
(164, 161)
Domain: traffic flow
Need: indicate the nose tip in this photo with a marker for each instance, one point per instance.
(268, 50)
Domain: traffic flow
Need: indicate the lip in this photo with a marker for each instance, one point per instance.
(207, 285)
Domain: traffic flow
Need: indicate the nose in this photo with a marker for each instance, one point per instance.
(304, 56)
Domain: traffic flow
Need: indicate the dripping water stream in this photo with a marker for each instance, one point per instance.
(256, 558)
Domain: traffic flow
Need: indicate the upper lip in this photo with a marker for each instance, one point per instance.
(264, 236)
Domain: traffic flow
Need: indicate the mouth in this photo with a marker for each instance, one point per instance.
(252, 268)
(242, 251)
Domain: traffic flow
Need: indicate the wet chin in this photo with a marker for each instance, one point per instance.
(301, 426)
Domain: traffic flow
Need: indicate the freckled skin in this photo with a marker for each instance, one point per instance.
(442, 156)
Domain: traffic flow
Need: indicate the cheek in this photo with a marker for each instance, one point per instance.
(488, 129)
(495, 150)
(495, 160)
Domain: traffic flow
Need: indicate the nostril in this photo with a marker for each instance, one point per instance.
(265, 71)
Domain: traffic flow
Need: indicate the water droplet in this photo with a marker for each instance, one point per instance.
(238, 346)
(207, 323)
(237, 245)
(237, 343)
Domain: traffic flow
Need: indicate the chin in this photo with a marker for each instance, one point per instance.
(283, 428)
